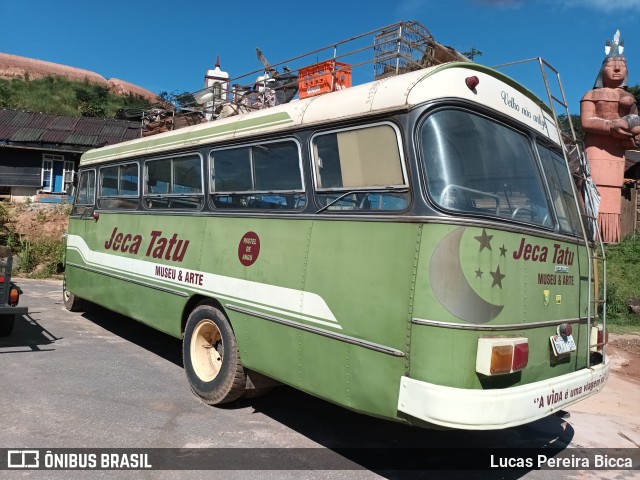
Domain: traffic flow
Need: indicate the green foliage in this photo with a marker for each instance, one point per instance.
(177, 99)
(25, 255)
(616, 304)
(623, 272)
(91, 100)
(60, 96)
(37, 258)
(577, 125)
(472, 53)
(635, 91)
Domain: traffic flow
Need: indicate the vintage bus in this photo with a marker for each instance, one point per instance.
(411, 248)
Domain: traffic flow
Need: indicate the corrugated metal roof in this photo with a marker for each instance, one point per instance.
(26, 134)
(31, 128)
(21, 119)
(132, 134)
(6, 131)
(113, 130)
(55, 136)
(64, 123)
(41, 121)
(88, 126)
(78, 139)
(7, 116)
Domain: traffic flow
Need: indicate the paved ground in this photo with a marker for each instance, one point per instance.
(100, 380)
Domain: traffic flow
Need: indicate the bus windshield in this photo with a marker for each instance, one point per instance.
(476, 165)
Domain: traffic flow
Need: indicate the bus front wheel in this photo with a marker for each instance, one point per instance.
(211, 357)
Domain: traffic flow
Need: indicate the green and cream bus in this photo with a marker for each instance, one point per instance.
(411, 248)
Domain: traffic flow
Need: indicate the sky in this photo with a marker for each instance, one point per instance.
(169, 46)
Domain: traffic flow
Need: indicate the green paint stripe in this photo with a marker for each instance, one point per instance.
(212, 131)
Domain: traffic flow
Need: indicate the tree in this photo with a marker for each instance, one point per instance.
(92, 100)
(472, 53)
(577, 125)
(177, 99)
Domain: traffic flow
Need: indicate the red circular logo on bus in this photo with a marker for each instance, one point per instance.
(249, 249)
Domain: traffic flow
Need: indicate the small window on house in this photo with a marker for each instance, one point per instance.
(360, 169)
(47, 174)
(174, 183)
(265, 176)
(119, 187)
(68, 174)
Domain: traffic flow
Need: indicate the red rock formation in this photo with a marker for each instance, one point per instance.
(13, 66)
(120, 87)
(16, 66)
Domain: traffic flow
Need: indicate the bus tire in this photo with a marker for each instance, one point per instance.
(211, 357)
(6, 324)
(73, 303)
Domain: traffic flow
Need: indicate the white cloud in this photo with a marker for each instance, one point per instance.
(601, 5)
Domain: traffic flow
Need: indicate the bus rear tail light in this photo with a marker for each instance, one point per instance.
(1, 278)
(501, 355)
(599, 338)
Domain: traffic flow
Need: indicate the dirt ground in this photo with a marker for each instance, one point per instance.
(626, 350)
(611, 419)
(37, 220)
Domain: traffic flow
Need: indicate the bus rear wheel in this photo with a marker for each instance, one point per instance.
(71, 301)
(211, 357)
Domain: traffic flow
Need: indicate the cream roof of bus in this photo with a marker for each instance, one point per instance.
(389, 94)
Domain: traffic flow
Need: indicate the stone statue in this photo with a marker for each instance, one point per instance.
(609, 117)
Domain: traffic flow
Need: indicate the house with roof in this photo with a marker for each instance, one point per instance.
(39, 153)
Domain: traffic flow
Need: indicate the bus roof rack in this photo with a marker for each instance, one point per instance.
(391, 50)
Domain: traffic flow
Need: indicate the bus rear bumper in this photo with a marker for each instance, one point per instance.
(499, 408)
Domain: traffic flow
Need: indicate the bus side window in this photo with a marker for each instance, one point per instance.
(118, 187)
(360, 169)
(86, 192)
(561, 190)
(174, 183)
(265, 176)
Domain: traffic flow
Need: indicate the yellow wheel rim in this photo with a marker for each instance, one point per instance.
(206, 350)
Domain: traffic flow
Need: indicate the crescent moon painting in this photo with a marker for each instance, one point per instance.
(450, 285)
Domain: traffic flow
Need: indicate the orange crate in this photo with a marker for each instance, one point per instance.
(323, 77)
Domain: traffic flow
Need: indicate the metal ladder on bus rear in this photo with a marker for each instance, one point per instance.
(578, 166)
(579, 169)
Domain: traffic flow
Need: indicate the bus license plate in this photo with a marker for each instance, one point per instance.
(562, 345)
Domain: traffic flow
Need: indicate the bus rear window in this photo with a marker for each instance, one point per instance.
(478, 166)
(360, 168)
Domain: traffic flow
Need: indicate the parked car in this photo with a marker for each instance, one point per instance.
(9, 298)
